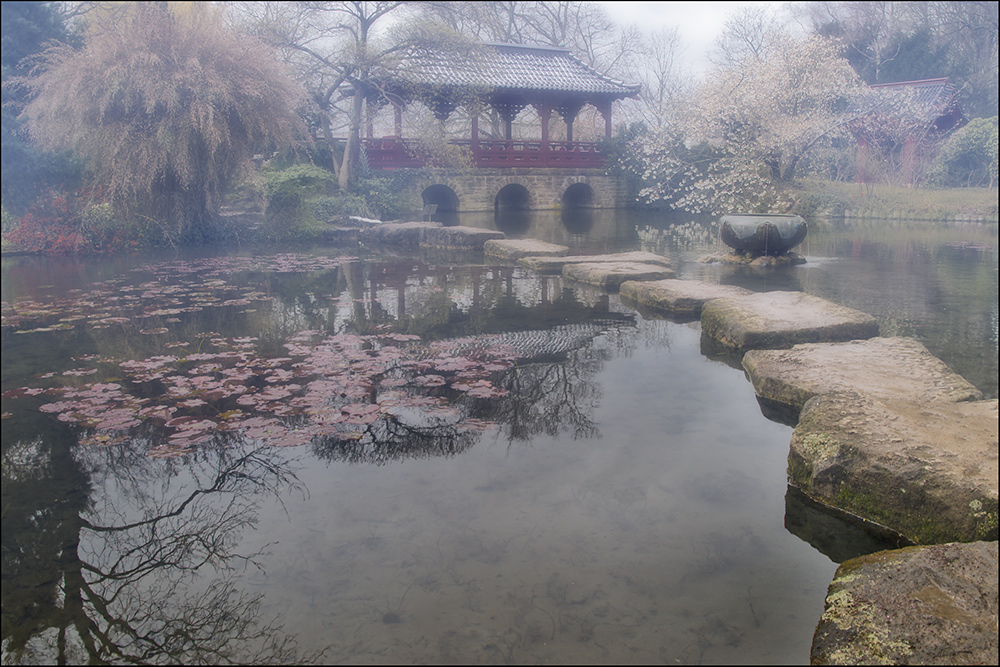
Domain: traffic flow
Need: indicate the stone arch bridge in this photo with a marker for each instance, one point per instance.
(499, 189)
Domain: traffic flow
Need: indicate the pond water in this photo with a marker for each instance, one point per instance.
(337, 455)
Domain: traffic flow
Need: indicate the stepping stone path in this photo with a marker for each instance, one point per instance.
(886, 432)
(677, 298)
(934, 605)
(610, 275)
(925, 469)
(518, 248)
(880, 367)
(765, 320)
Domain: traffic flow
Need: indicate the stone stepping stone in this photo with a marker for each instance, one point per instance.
(925, 469)
(458, 237)
(610, 275)
(677, 298)
(882, 367)
(398, 233)
(768, 320)
(518, 248)
(556, 264)
(933, 605)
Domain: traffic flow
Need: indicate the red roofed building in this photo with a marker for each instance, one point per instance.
(506, 78)
(899, 126)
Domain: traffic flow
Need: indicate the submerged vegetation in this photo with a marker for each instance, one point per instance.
(282, 391)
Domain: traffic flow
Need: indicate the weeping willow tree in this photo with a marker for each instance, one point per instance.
(166, 107)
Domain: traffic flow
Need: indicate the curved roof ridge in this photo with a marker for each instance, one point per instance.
(535, 47)
(512, 67)
(607, 78)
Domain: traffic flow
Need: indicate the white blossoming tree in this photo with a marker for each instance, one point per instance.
(749, 126)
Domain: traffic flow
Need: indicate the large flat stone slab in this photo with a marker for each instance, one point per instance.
(883, 367)
(556, 264)
(518, 248)
(767, 320)
(397, 233)
(610, 275)
(925, 469)
(933, 605)
(677, 298)
(458, 237)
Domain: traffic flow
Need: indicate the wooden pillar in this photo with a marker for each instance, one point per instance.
(605, 109)
(474, 112)
(544, 114)
(568, 110)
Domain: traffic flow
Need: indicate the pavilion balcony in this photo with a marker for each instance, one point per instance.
(396, 153)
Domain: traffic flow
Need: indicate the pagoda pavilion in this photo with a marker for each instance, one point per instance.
(506, 78)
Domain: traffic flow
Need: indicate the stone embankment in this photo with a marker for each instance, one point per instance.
(883, 432)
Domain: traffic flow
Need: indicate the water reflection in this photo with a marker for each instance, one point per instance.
(838, 536)
(613, 494)
(112, 560)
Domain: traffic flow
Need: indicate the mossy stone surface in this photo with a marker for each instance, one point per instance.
(927, 470)
(933, 605)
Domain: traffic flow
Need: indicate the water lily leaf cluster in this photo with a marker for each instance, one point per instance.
(319, 386)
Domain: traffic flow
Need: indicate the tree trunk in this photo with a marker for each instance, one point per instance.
(353, 146)
(324, 122)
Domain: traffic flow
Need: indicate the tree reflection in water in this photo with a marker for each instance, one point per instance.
(129, 552)
(145, 569)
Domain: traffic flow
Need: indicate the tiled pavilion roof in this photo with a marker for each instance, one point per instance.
(509, 68)
(932, 101)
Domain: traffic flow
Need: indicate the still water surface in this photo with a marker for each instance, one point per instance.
(426, 458)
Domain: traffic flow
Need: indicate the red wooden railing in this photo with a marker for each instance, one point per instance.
(393, 153)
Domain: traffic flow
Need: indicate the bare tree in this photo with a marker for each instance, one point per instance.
(583, 27)
(750, 32)
(664, 82)
(337, 49)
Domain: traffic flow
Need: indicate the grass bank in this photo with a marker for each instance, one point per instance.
(814, 197)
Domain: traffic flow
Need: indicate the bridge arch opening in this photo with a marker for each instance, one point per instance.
(445, 199)
(578, 195)
(512, 197)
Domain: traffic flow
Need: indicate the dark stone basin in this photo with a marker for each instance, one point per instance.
(766, 234)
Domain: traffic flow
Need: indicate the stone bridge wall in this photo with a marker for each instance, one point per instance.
(477, 189)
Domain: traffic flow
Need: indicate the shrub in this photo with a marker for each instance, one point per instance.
(288, 192)
(59, 222)
(340, 204)
(969, 157)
